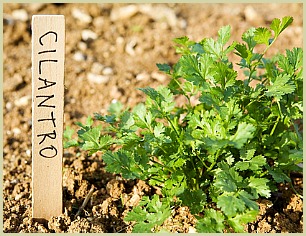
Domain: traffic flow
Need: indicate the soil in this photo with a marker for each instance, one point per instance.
(108, 63)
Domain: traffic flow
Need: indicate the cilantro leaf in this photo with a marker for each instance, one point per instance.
(239, 220)
(262, 35)
(248, 200)
(295, 57)
(190, 67)
(242, 50)
(127, 120)
(138, 215)
(278, 175)
(224, 34)
(243, 134)
(115, 108)
(227, 179)
(167, 103)
(278, 25)
(281, 86)
(248, 37)
(182, 40)
(68, 141)
(214, 48)
(151, 92)
(212, 222)
(164, 68)
(159, 129)
(149, 214)
(230, 205)
(195, 200)
(254, 164)
(122, 162)
(259, 187)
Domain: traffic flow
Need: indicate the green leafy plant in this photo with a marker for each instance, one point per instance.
(228, 145)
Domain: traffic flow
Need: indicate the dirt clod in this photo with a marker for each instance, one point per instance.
(115, 188)
(59, 223)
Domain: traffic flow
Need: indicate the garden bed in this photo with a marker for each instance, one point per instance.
(110, 51)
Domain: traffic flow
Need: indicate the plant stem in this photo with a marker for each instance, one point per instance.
(188, 98)
(294, 190)
(252, 70)
(274, 127)
(264, 173)
(163, 166)
(172, 125)
(213, 164)
(156, 179)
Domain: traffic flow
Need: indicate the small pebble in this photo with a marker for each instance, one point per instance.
(250, 14)
(120, 44)
(18, 197)
(16, 131)
(20, 14)
(23, 101)
(82, 46)
(9, 106)
(79, 56)
(142, 76)
(15, 181)
(81, 16)
(98, 22)
(98, 79)
(159, 13)
(129, 48)
(182, 23)
(35, 6)
(107, 71)
(115, 92)
(88, 35)
(123, 13)
(158, 76)
(96, 68)
(191, 229)
(119, 40)
(28, 152)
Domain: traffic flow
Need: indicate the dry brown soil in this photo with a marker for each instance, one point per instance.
(117, 56)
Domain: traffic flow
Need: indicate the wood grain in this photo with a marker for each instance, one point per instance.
(48, 54)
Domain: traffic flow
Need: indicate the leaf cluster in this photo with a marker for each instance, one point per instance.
(217, 155)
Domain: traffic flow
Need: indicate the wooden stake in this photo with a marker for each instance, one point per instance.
(48, 54)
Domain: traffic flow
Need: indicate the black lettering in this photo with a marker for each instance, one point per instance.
(40, 64)
(49, 135)
(52, 148)
(52, 118)
(47, 83)
(41, 52)
(47, 98)
(50, 32)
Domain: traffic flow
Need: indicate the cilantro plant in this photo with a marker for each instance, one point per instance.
(228, 145)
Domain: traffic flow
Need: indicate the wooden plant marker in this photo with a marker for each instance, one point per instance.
(48, 54)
